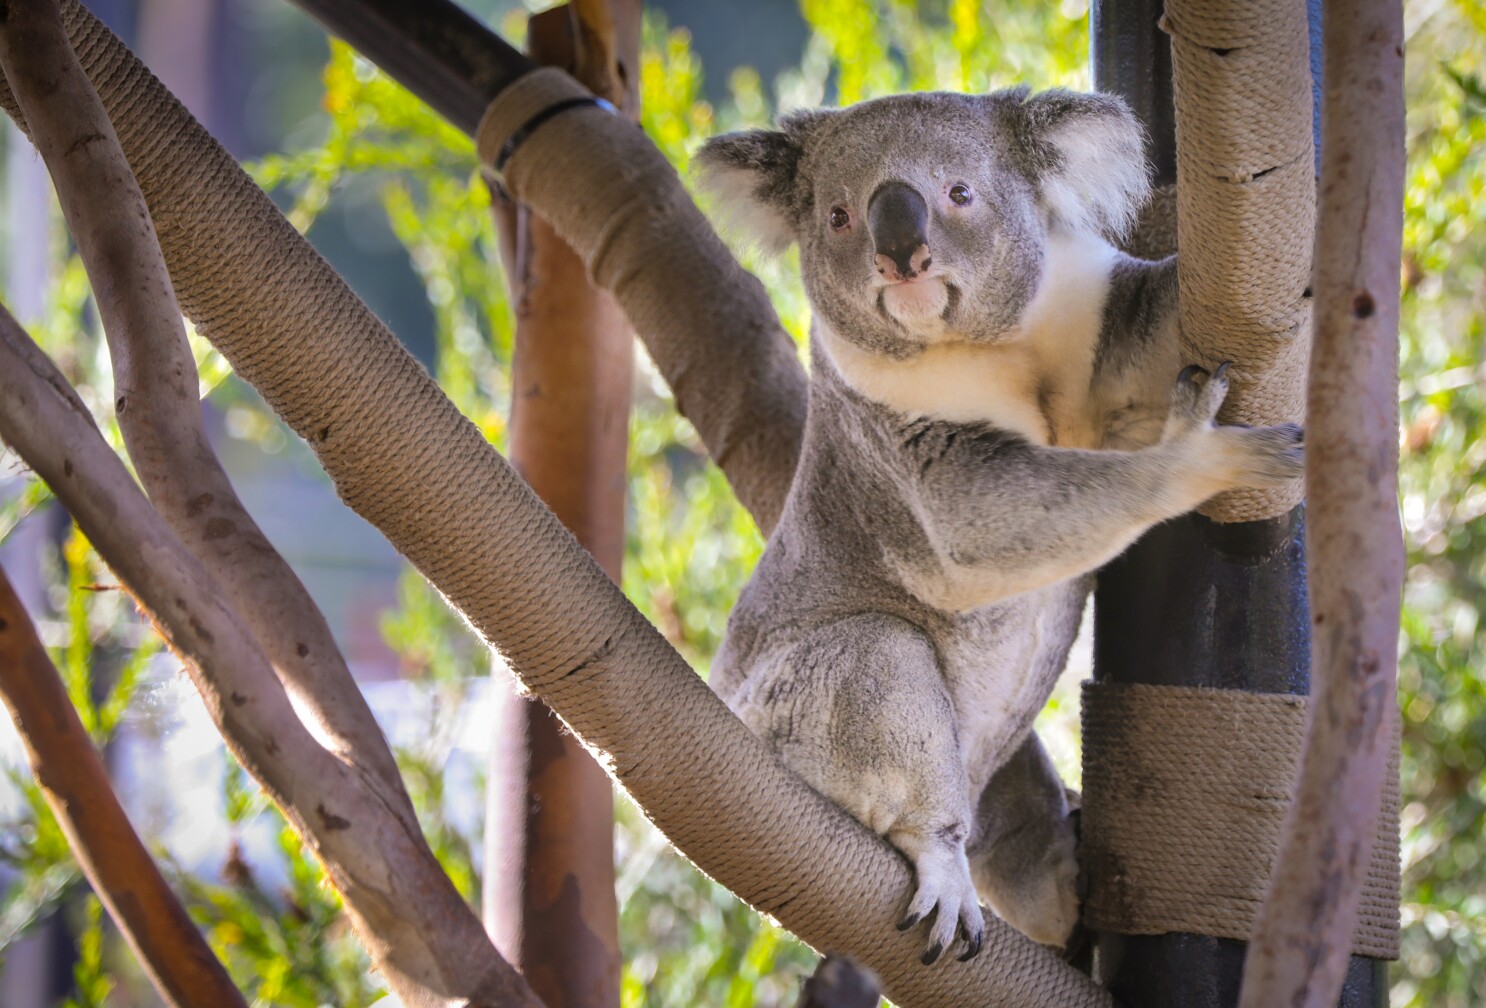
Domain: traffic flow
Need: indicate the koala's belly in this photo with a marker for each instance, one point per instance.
(1000, 665)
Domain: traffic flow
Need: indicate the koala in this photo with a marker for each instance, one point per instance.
(997, 407)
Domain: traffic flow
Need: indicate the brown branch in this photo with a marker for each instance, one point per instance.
(422, 937)
(1304, 934)
(76, 785)
(708, 324)
(158, 405)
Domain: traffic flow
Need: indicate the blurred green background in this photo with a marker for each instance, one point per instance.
(690, 546)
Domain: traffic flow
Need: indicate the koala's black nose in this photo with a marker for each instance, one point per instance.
(898, 218)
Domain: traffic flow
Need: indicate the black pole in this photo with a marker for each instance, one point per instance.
(434, 48)
(1196, 602)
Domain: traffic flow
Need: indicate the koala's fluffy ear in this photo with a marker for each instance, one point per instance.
(1087, 153)
(755, 178)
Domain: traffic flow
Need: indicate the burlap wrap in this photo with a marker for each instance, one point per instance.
(1185, 794)
(403, 457)
(1246, 210)
(612, 196)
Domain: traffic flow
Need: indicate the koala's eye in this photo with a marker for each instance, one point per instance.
(839, 217)
(959, 194)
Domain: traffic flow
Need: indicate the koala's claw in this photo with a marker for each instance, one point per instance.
(972, 945)
(1189, 374)
(947, 902)
(1196, 398)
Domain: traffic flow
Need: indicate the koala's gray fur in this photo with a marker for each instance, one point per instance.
(992, 417)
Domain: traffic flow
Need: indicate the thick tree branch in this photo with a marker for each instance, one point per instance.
(422, 936)
(158, 405)
(76, 785)
(1303, 936)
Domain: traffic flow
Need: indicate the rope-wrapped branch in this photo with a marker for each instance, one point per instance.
(1245, 208)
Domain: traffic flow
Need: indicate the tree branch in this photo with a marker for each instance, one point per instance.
(1304, 934)
(421, 935)
(158, 405)
(76, 785)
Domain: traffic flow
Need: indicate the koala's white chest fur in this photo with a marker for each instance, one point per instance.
(1034, 382)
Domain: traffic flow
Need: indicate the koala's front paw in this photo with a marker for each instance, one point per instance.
(1228, 457)
(946, 898)
(1264, 457)
(1195, 400)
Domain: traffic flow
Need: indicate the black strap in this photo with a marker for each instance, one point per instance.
(530, 126)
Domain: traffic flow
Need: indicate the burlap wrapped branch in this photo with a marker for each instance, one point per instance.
(1246, 210)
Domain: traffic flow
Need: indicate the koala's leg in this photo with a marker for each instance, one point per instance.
(1022, 853)
(860, 710)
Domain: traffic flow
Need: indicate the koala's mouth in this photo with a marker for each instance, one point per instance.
(907, 304)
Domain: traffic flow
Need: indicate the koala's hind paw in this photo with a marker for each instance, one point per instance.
(946, 899)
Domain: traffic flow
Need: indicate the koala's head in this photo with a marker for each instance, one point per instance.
(922, 217)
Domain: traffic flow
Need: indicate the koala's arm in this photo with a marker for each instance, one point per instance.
(1006, 516)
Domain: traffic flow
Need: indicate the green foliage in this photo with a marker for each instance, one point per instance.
(91, 984)
(1442, 670)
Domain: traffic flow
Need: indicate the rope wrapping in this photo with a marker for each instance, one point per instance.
(612, 196)
(1185, 794)
(1245, 211)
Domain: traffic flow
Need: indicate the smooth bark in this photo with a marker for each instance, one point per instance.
(422, 936)
(1303, 937)
(157, 401)
(403, 457)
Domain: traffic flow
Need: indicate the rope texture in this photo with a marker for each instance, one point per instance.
(1185, 794)
(643, 239)
(1246, 211)
(404, 458)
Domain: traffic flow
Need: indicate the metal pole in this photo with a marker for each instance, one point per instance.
(1196, 602)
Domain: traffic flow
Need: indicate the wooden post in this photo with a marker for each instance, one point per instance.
(549, 899)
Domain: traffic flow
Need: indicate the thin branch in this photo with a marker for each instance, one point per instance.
(76, 785)
(158, 406)
(1304, 934)
(422, 936)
